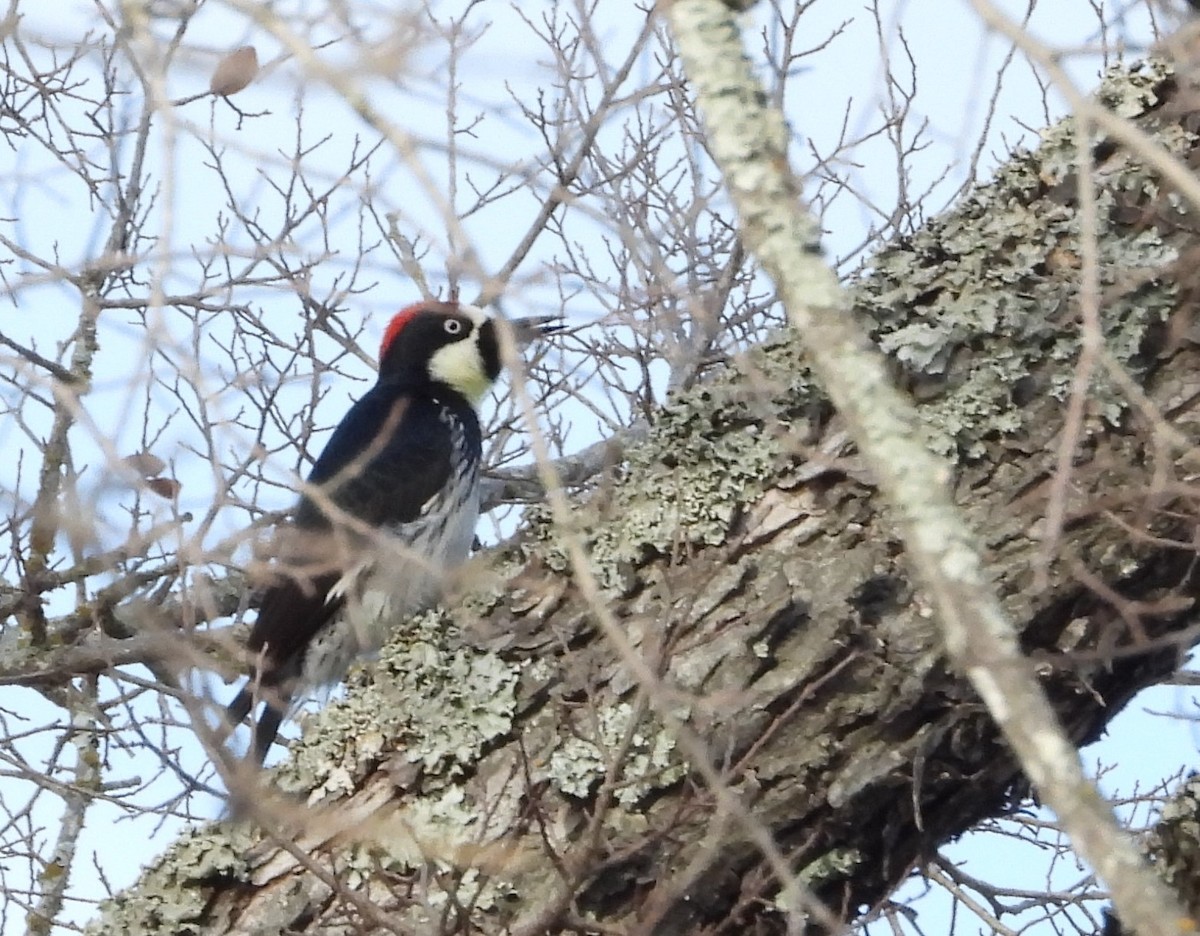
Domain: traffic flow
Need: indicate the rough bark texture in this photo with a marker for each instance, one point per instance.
(499, 770)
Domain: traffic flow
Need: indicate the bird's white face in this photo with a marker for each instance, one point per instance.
(460, 363)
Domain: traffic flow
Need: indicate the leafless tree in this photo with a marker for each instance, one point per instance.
(751, 637)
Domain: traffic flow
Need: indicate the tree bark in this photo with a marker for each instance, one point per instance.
(500, 769)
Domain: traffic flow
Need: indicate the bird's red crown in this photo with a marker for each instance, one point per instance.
(406, 315)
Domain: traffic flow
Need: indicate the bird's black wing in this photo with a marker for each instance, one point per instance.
(387, 458)
(381, 467)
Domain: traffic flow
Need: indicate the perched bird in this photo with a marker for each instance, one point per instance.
(390, 507)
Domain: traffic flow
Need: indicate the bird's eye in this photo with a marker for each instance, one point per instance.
(453, 327)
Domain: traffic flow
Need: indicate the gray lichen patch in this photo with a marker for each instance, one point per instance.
(1133, 91)
(707, 456)
(1174, 843)
(690, 497)
(974, 303)
(433, 701)
(171, 896)
(645, 751)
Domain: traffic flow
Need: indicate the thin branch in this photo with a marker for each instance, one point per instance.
(59, 372)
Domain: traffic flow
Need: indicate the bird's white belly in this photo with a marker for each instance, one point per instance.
(405, 573)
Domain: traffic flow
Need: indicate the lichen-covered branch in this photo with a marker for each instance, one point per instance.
(77, 797)
(748, 139)
(45, 526)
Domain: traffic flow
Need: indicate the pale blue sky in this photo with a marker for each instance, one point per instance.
(843, 87)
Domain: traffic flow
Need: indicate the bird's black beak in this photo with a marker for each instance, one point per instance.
(525, 331)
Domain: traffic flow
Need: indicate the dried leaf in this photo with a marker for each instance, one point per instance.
(145, 464)
(165, 487)
(234, 72)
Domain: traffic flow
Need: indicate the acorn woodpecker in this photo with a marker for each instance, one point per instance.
(390, 507)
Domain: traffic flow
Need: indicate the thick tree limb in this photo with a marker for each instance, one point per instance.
(748, 140)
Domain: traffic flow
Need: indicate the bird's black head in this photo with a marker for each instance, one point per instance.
(444, 342)
(450, 343)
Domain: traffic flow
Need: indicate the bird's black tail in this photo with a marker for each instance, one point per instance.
(265, 731)
(237, 710)
(265, 728)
